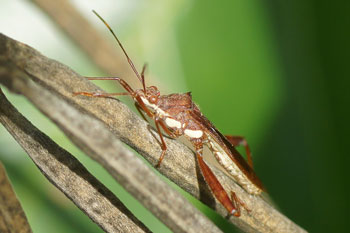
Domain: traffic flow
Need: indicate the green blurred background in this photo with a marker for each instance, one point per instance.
(274, 71)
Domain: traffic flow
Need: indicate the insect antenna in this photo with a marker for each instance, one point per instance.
(141, 78)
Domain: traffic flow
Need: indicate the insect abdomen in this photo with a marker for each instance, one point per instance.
(227, 163)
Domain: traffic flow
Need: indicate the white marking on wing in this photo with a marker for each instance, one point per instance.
(193, 133)
(172, 123)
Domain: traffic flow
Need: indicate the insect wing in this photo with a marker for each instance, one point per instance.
(220, 139)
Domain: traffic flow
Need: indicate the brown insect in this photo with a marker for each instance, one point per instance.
(178, 115)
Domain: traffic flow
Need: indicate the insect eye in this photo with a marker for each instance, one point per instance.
(153, 99)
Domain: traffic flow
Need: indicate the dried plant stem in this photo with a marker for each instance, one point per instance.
(68, 174)
(12, 217)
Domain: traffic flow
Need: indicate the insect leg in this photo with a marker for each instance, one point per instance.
(232, 206)
(167, 131)
(163, 145)
(241, 141)
(126, 86)
(238, 202)
(121, 81)
(141, 106)
(157, 123)
(139, 110)
(97, 94)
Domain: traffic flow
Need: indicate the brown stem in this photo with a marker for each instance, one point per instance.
(68, 174)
